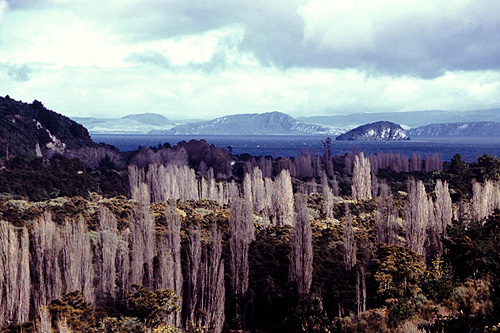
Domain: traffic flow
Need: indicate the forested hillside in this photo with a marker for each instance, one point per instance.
(191, 238)
(31, 130)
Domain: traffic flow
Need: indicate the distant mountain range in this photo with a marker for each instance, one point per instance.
(270, 123)
(378, 131)
(408, 119)
(467, 129)
(278, 123)
(131, 124)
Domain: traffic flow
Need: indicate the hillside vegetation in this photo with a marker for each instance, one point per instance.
(191, 238)
(316, 243)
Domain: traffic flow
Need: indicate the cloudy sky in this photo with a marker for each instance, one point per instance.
(209, 58)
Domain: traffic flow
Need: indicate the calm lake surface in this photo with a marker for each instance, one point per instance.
(287, 146)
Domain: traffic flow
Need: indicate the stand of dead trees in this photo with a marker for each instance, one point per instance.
(328, 235)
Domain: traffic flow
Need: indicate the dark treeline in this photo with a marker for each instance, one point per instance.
(195, 239)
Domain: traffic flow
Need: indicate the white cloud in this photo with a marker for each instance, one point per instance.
(3, 8)
(57, 37)
(82, 91)
(213, 58)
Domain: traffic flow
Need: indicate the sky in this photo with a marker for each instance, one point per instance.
(209, 58)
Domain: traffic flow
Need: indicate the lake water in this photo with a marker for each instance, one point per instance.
(286, 146)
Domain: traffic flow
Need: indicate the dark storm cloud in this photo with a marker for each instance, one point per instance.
(274, 33)
(421, 46)
(428, 49)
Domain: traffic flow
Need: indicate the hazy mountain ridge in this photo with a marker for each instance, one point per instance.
(378, 131)
(269, 123)
(472, 129)
(131, 124)
(150, 119)
(409, 118)
(276, 123)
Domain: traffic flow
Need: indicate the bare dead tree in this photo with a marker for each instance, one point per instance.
(213, 287)
(283, 199)
(43, 323)
(417, 217)
(15, 275)
(232, 191)
(361, 178)
(348, 161)
(142, 246)
(349, 241)
(247, 189)
(23, 282)
(375, 185)
(485, 198)
(327, 195)
(416, 162)
(386, 216)
(301, 255)
(433, 162)
(136, 177)
(106, 253)
(77, 267)
(258, 191)
(350, 260)
(193, 289)
(443, 212)
(123, 282)
(304, 164)
(169, 272)
(47, 278)
(241, 234)
(363, 268)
